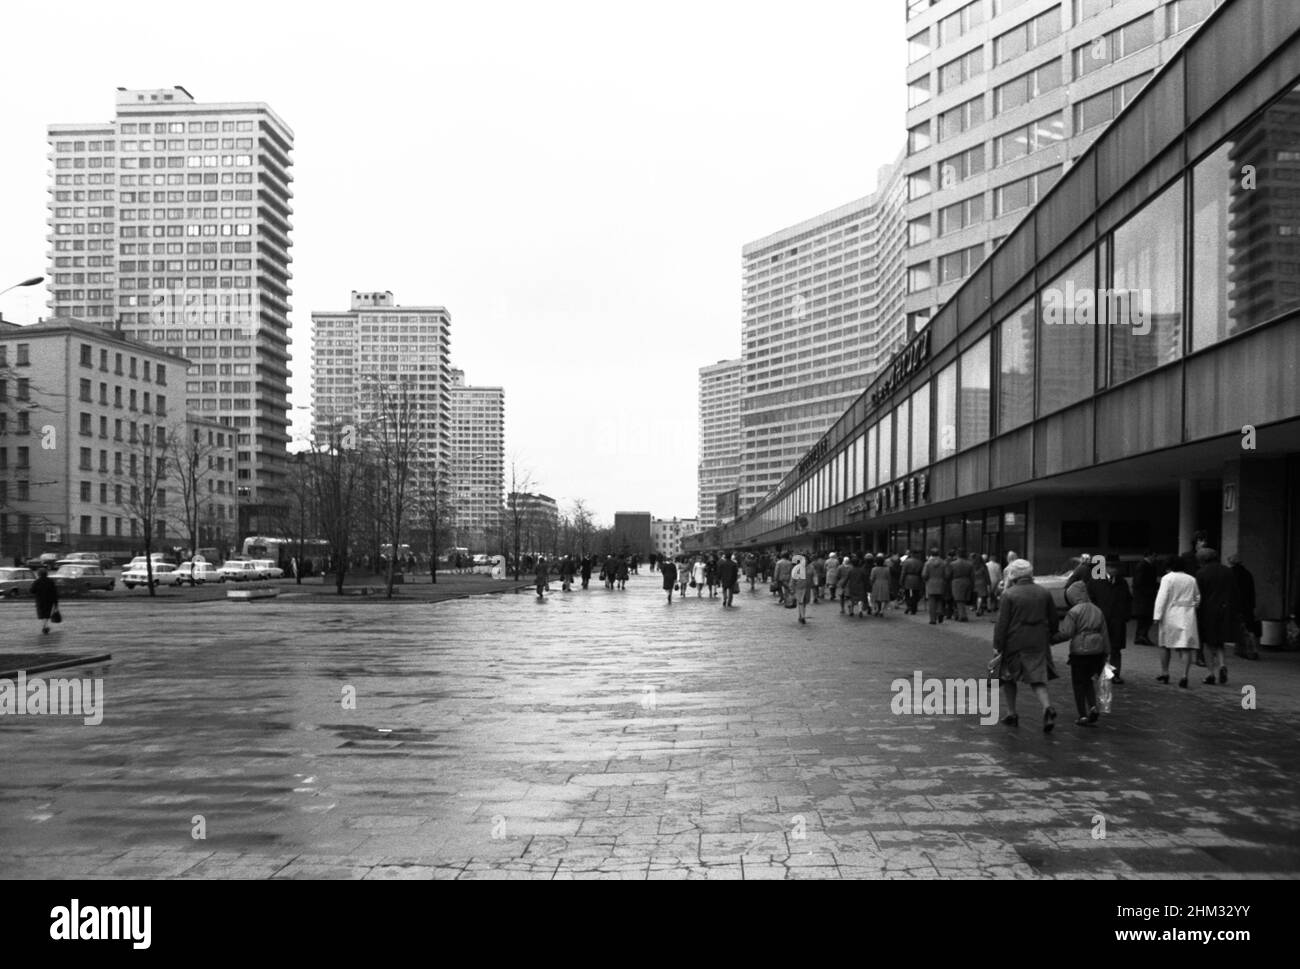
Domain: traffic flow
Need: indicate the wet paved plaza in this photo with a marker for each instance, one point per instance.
(608, 735)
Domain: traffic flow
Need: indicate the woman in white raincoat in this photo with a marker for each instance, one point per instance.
(1175, 614)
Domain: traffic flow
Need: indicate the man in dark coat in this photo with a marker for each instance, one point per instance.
(1146, 583)
(935, 584)
(47, 598)
(668, 569)
(1216, 614)
(963, 580)
(913, 584)
(1111, 595)
(728, 576)
(1245, 587)
(586, 570)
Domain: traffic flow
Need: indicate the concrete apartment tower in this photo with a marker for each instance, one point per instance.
(376, 347)
(1002, 96)
(171, 223)
(719, 468)
(823, 311)
(478, 463)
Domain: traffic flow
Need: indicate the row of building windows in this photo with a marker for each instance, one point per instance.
(181, 127)
(1075, 337)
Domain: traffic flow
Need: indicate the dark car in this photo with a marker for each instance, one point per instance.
(88, 558)
(48, 560)
(77, 578)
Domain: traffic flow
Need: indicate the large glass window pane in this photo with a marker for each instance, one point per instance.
(855, 466)
(946, 413)
(1067, 338)
(873, 473)
(1016, 369)
(902, 440)
(1245, 242)
(976, 389)
(921, 428)
(1144, 311)
(887, 449)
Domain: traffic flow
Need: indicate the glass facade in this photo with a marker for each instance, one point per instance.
(1144, 309)
(945, 403)
(1016, 368)
(1067, 338)
(976, 393)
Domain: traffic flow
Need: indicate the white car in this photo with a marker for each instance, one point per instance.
(136, 574)
(268, 569)
(239, 571)
(198, 572)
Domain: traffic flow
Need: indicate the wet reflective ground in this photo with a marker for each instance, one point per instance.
(606, 734)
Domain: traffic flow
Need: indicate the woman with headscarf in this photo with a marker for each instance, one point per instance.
(47, 598)
(879, 587)
(855, 587)
(1023, 636)
(1084, 628)
(1175, 617)
(801, 583)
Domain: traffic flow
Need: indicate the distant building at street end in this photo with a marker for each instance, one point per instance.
(632, 533)
(667, 534)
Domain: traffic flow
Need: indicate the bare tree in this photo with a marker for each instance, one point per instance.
(518, 519)
(434, 508)
(194, 462)
(337, 475)
(584, 526)
(149, 456)
(394, 444)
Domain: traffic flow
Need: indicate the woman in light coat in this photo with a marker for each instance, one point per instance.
(699, 572)
(879, 586)
(1175, 616)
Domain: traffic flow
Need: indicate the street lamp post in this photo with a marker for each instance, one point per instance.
(34, 281)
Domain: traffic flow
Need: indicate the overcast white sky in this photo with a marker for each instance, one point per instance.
(573, 181)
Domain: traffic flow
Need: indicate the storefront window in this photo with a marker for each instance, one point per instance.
(1144, 310)
(1016, 369)
(887, 450)
(946, 412)
(902, 439)
(855, 467)
(873, 473)
(921, 428)
(1067, 338)
(976, 389)
(1245, 257)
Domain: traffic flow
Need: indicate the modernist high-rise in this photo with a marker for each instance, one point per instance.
(823, 311)
(477, 462)
(720, 437)
(363, 356)
(1002, 96)
(171, 222)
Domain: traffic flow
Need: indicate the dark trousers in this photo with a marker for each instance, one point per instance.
(913, 597)
(1143, 629)
(936, 608)
(1082, 671)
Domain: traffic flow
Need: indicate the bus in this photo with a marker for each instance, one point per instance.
(311, 552)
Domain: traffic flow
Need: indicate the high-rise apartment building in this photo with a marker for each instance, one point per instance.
(1002, 96)
(374, 356)
(720, 437)
(172, 223)
(477, 462)
(823, 311)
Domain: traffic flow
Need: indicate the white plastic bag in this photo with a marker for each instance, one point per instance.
(1104, 692)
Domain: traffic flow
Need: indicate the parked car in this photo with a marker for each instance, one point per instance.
(91, 558)
(77, 576)
(239, 570)
(268, 569)
(1054, 582)
(15, 582)
(197, 572)
(47, 560)
(136, 574)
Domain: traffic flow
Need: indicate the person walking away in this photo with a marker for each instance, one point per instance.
(620, 573)
(879, 586)
(1026, 624)
(913, 584)
(586, 570)
(47, 598)
(832, 575)
(1146, 583)
(566, 574)
(1111, 595)
(963, 573)
(818, 577)
(543, 578)
(895, 566)
(668, 569)
(751, 570)
(1216, 617)
(932, 575)
(800, 584)
(1175, 614)
(711, 575)
(980, 584)
(782, 576)
(1085, 629)
(1248, 631)
(728, 578)
(857, 587)
(995, 580)
(846, 566)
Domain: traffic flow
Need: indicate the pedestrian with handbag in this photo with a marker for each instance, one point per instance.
(1085, 629)
(1023, 635)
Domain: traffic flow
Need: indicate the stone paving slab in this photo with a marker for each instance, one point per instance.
(606, 735)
